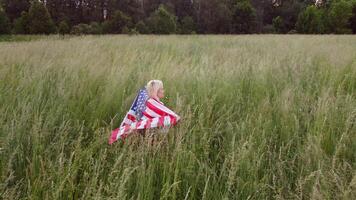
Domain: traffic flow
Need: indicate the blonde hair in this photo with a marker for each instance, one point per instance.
(153, 86)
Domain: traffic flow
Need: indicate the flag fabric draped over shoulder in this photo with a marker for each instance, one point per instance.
(145, 113)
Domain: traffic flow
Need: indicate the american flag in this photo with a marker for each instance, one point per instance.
(145, 113)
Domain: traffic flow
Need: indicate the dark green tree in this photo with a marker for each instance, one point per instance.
(187, 25)
(125, 30)
(214, 16)
(40, 20)
(14, 8)
(22, 24)
(183, 8)
(162, 22)
(132, 8)
(4, 22)
(244, 17)
(311, 20)
(278, 25)
(288, 12)
(63, 28)
(353, 19)
(95, 28)
(80, 29)
(339, 15)
(116, 24)
(142, 28)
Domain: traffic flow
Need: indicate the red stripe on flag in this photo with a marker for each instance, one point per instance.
(147, 115)
(174, 121)
(138, 124)
(126, 129)
(161, 121)
(155, 109)
(113, 135)
(131, 117)
(148, 123)
(158, 110)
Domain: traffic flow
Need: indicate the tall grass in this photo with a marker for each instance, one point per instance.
(263, 117)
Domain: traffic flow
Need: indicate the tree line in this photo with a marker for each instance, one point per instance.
(177, 16)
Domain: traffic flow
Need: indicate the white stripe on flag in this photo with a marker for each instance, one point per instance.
(162, 108)
(143, 123)
(127, 121)
(167, 121)
(154, 122)
(132, 112)
(121, 131)
(151, 112)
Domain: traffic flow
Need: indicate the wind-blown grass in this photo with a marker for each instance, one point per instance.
(263, 117)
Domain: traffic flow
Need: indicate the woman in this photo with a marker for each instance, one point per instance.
(154, 107)
(153, 115)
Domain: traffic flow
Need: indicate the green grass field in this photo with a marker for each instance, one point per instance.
(263, 117)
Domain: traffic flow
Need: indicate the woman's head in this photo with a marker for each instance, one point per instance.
(155, 89)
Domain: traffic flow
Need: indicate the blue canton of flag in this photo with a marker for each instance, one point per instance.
(137, 108)
(139, 104)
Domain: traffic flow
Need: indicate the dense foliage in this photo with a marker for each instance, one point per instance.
(182, 16)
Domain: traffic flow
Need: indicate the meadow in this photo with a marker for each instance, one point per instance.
(263, 117)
